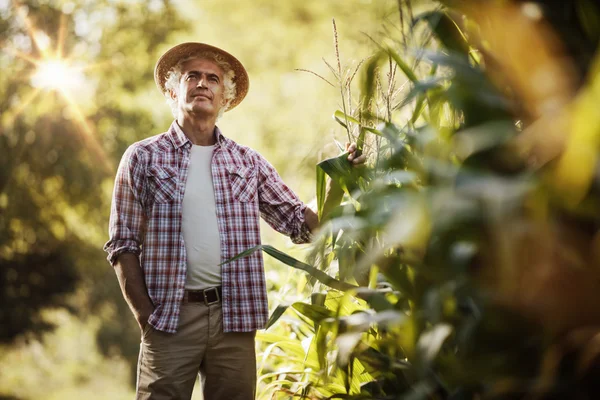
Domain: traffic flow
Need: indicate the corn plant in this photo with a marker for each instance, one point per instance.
(462, 263)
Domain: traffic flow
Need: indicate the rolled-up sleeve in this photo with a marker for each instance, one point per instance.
(279, 205)
(127, 218)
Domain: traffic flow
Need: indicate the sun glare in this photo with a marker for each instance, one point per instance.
(56, 74)
(56, 71)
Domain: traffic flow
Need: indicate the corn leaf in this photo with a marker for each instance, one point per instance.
(337, 167)
(368, 83)
(294, 263)
(373, 130)
(340, 114)
(410, 74)
(312, 311)
(421, 87)
(446, 31)
(339, 121)
(277, 313)
(321, 345)
(589, 15)
(419, 107)
(321, 191)
(360, 142)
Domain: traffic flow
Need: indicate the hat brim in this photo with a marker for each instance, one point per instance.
(186, 50)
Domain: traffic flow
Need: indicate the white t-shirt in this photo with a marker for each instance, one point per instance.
(199, 222)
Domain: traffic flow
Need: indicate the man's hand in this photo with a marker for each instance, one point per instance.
(333, 192)
(131, 280)
(356, 161)
(143, 317)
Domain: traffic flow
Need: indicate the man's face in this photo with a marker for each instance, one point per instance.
(201, 88)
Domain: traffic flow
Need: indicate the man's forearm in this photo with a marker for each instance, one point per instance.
(133, 286)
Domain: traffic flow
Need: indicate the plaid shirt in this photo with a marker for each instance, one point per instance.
(146, 220)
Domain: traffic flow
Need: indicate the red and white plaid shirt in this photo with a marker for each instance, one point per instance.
(146, 220)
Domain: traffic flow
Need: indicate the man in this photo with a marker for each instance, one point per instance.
(185, 201)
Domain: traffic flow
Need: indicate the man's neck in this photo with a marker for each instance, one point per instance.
(199, 131)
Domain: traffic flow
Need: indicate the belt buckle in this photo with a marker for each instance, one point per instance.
(205, 298)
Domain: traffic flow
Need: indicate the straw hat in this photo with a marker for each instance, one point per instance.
(186, 50)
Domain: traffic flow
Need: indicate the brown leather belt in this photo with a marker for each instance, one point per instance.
(207, 296)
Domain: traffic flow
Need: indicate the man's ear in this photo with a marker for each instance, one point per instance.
(172, 94)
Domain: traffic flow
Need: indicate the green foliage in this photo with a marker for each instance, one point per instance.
(27, 288)
(461, 246)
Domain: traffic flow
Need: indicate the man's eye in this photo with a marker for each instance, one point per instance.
(214, 79)
(191, 77)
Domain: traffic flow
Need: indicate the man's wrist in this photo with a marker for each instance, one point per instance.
(142, 316)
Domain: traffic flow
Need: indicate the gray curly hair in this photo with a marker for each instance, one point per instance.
(174, 76)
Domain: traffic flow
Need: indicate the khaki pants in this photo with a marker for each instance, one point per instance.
(169, 364)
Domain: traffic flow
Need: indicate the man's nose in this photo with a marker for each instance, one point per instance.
(201, 82)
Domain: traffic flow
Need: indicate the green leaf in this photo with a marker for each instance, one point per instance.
(314, 312)
(321, 191)
(402, 65)
(340, 117)
(339, 170)
(360, 142)
(342, 123)
(337, 167)
(589, 15)
(277, 313)
(345, 117)
(375, 298)
(368, 83)
(446, 31)
(397, 275)
(293, 348)
(321, 345)
(373, 130)
(392, 133)
(419, 107)
(362, 321)
(294, 263)
(421, 87)
(318, 298)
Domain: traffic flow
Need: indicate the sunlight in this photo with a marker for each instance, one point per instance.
(56, 74)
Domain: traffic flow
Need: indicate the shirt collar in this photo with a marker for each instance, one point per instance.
(179, 138)
(221, 140)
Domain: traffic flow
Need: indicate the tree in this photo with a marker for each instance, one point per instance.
(62, 134)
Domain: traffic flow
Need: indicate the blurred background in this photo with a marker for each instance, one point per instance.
(463, 262)
(76, 89)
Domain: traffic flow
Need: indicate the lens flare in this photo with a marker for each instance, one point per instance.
(55, 71)
(56, 74)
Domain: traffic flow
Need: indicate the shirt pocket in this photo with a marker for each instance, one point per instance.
(242, 180)
(162, 183)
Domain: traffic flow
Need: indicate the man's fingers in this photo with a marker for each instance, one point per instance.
(359, 160)
(351, 149)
